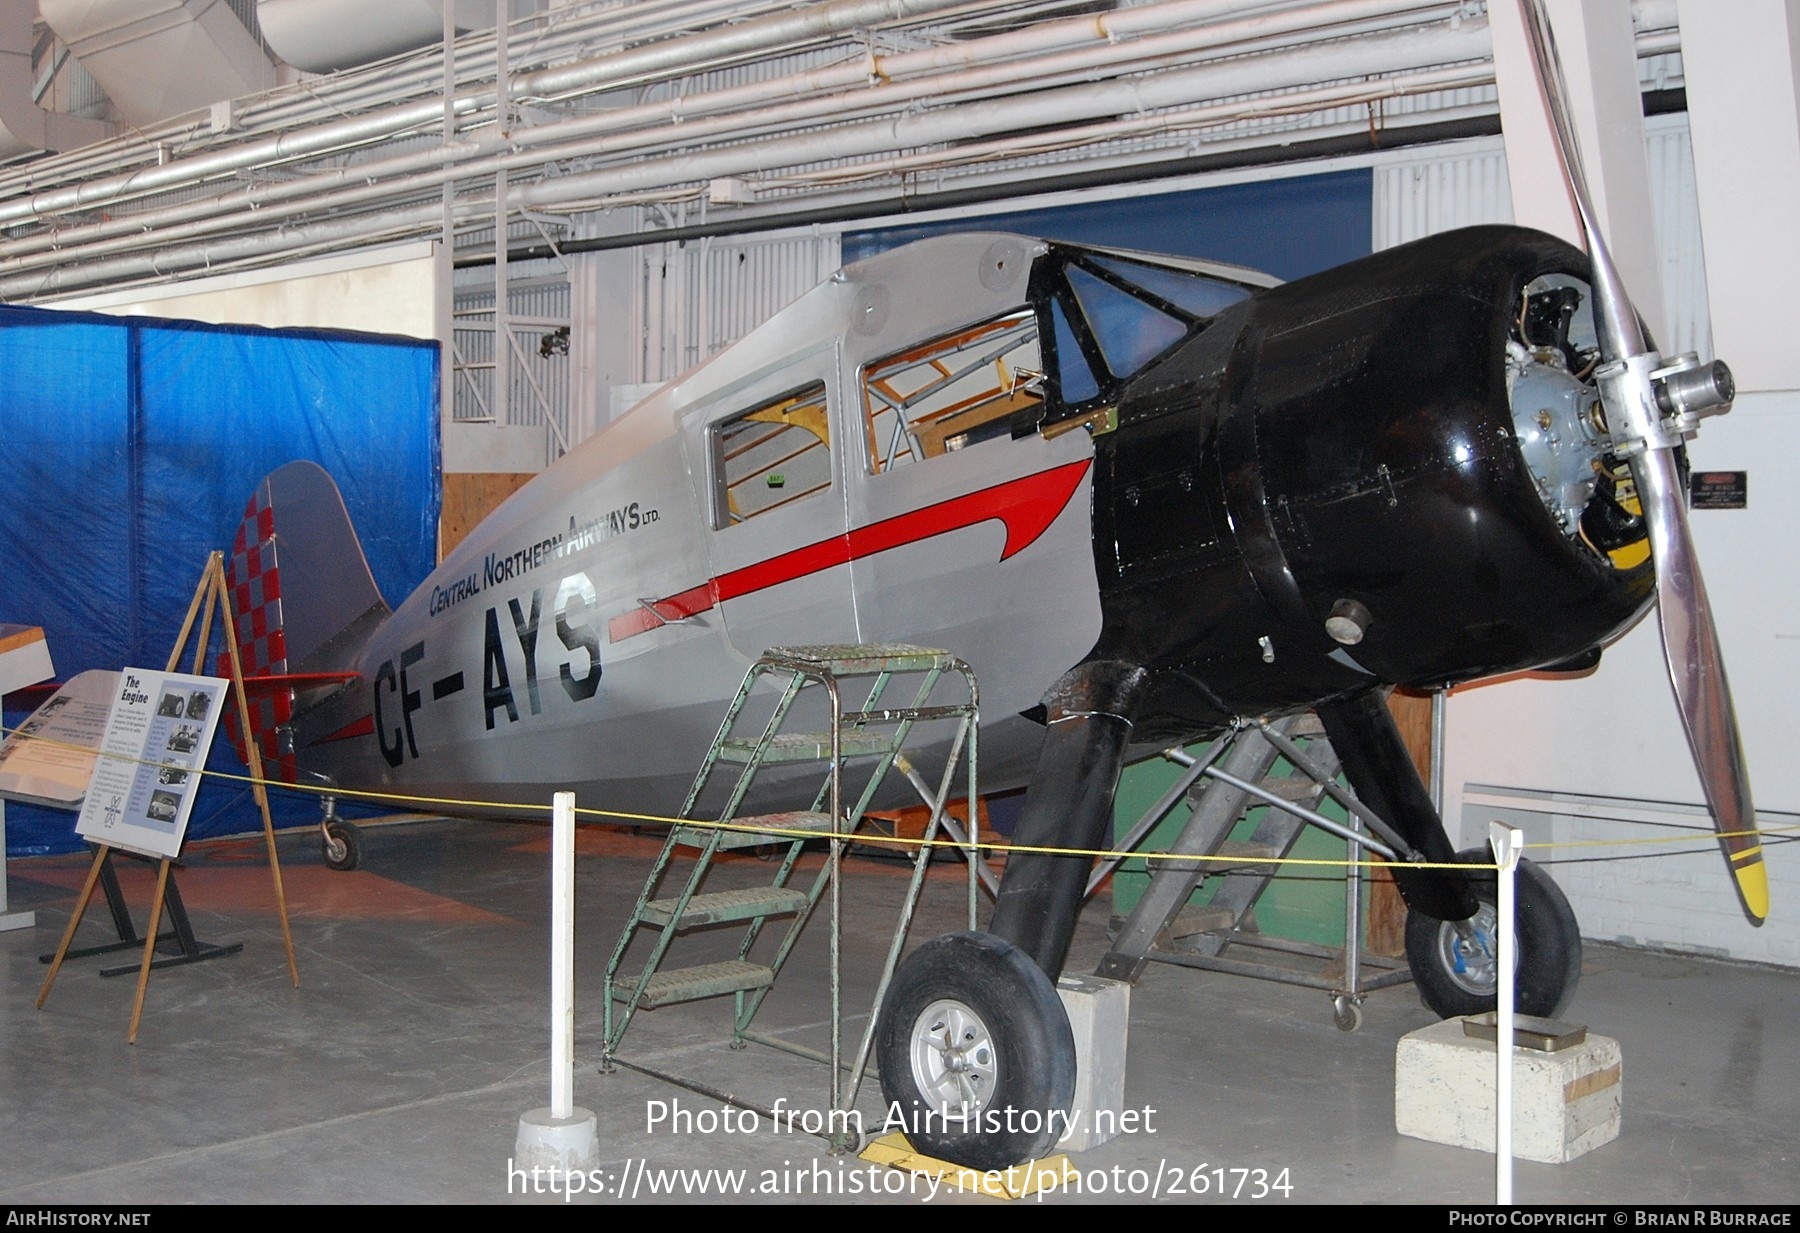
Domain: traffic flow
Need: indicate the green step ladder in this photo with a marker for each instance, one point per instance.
(896, 685)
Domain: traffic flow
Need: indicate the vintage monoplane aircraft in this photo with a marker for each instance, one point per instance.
(1143, 496)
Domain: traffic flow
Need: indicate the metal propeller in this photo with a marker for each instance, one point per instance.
(1652, 406)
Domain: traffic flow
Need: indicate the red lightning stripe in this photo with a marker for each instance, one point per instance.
(1027, 506)
(356, 727)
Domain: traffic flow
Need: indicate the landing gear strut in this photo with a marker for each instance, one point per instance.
(339, 841)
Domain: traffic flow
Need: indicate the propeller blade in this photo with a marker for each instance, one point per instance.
(1697, 672)
(1629, 368)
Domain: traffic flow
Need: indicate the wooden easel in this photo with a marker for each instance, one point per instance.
(215, 596)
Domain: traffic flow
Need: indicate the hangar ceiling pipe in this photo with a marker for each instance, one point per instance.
(638, 22)
(323, 36)
(573, 31)
(158, 58)
(683, 54)
(559, 34)
(562, 31)
(1393, 53)
(994, 125)
(1130, 99)
(1399, 52)
(1079, 47)
(24, 126)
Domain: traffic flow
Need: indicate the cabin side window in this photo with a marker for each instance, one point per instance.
(771, 456)
(951, 392)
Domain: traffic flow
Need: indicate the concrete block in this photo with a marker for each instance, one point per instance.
(549, 1147)
(1565, 1104)
(1099, 1014)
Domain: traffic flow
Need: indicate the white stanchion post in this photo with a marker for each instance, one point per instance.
(559, 1139)
(1507, 842)
(562, 955)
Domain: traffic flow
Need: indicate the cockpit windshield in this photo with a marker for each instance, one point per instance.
(1112, 313)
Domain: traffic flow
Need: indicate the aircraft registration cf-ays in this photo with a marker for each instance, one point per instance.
(1145, 497)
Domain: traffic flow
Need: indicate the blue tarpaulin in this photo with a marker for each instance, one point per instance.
(128, 447)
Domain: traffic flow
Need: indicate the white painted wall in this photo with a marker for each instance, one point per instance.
(1742, 61)
(381, 291)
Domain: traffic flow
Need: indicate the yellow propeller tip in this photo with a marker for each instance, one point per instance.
(1753, 890)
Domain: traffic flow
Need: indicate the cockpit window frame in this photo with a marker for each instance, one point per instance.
(1053, 294)
(910, 425)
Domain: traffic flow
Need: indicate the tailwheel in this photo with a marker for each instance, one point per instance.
(1454, 963)
(975, 1053)
(341, 842)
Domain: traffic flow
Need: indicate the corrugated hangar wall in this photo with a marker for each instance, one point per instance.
(681, 302)
(1423, 192)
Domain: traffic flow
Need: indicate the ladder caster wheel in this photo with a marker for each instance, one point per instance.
(738, 1046)
(341, 843)
(975, 1052)
(1346, 1013)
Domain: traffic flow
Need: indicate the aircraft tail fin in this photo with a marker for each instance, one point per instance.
(303, 597)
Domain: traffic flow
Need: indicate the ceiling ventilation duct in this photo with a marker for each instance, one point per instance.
(322, 36)
(24, 126)
(159, 58)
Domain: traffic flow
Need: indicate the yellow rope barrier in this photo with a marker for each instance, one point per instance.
(623, 816)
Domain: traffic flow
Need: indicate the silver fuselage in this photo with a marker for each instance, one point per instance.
(552, 649)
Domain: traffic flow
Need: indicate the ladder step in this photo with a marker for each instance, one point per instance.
(719, 907)
(1296, 788)
(808, 747)
(1194, 920)
(1249, 853)
(853, 659)
(708, 980)
(758, 831)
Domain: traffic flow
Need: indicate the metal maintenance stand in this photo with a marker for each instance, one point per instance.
(1237, 777)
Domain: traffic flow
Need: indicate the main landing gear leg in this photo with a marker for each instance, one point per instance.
(975, 1048)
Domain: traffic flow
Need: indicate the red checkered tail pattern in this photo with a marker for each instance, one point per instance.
(303, 601)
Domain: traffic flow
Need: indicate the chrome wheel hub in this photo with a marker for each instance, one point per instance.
(954, 1062)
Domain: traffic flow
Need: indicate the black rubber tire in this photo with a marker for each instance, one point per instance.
(1008, 1014)
(341, 844)
(1549, 963)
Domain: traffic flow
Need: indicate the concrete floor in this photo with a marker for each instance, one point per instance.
(397, 1071)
